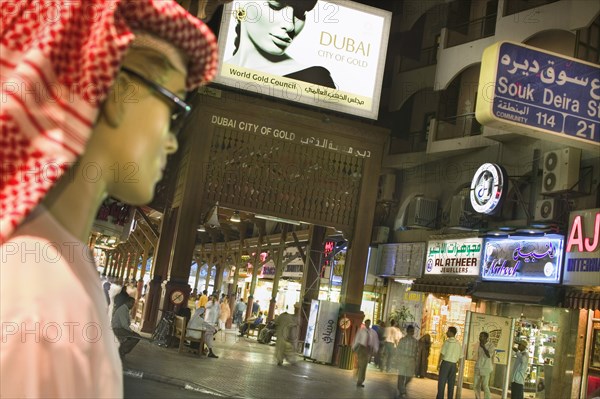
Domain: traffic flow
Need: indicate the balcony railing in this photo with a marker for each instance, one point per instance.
(458, 126)
(471, 31)
(427, 56)
(515, 6)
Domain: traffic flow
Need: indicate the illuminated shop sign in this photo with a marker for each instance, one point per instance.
(532, 91)
(582, 252)
(455, 257)
(328, 54)
(487, 188)
(523, 259)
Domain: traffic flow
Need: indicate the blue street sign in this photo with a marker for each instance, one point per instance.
(540, 90)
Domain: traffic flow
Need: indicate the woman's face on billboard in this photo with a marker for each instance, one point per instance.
(272, 26)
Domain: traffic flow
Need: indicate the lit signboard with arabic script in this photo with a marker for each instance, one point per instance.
(523, 259)
(531, 91)
(455, 257)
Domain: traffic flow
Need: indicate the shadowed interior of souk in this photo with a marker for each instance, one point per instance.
(276, 221)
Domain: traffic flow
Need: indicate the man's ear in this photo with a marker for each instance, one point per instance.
(113, 108)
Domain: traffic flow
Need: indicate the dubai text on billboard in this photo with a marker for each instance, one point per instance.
(531, 90)
(328, 54)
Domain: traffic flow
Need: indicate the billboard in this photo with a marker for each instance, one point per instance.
(539, 93)
(327, 54)
(523, 259)
(454, 257)
(582, 252)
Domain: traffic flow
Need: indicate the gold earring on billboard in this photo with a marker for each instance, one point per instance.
(240, 14)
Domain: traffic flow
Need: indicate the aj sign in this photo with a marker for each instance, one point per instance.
(582, 254)
(487, 188)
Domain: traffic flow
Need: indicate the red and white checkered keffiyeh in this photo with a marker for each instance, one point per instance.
(59, 60)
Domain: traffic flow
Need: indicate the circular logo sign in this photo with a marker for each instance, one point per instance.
(548, 269)
(487, 188)
(429, 266)
(345, 323)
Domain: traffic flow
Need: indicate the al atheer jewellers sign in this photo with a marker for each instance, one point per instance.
(523, 259)
(456, 257)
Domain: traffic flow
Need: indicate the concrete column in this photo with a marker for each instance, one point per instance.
(279, 267)
(311, 279)
(159, 271)
(256, 264)
(209, 265)
(219, 277)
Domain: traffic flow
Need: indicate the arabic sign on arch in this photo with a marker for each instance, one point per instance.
(534, 91)
(523, 259)
(454, 257)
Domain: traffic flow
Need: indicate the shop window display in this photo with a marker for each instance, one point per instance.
(551, 344)
(439, 314)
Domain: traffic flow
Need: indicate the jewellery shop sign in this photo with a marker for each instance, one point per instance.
(523, 259)
(454, 257)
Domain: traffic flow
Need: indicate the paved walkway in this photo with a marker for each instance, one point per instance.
(247, 369)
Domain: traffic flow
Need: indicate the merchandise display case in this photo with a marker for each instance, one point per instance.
(542, 337)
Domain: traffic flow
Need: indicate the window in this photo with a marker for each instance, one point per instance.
(587, 45)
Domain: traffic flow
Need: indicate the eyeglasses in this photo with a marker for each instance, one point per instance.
(181, 109)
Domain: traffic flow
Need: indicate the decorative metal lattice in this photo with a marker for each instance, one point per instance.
(281, 178)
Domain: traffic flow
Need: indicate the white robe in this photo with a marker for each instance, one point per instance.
(56, 338)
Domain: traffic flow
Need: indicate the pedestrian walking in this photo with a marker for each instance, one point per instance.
(379, 328)
(287, 330)
(225, 312)
(392, 336)
(407, 359)
(238, 312)
(484, 364)
(450, 355)
(520, 370)
(366, 343)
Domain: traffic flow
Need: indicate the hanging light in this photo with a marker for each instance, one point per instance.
(235, 218)
(201, 229)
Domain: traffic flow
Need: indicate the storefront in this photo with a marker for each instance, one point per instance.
(451, 269)
(581, 276)
(332, 270)
(520, 279)
(288, 292)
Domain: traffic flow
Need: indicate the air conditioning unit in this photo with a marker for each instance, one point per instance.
(460, 210)
(380, 235)
(546, 209)
(387, 186)
(421, 213)
(560, 170)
